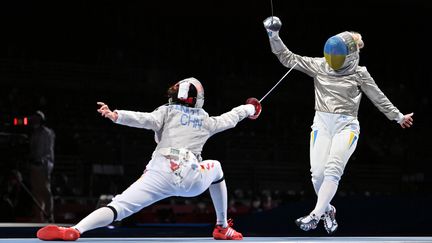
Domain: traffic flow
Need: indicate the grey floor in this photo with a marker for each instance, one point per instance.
(246, 239)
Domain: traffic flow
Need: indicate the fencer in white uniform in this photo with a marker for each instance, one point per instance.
(176, 169)
(339, 83)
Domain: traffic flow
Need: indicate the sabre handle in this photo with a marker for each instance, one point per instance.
(258, 108)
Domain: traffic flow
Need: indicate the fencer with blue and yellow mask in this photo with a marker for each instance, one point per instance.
(339, 82)
(341, 51)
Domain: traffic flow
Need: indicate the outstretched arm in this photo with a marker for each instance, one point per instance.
(148, 120)
(308, 65)
(374, 93)
(230, 119)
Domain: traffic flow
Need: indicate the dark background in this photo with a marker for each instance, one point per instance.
(62, 57)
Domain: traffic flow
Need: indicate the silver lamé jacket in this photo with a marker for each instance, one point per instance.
(337, 92)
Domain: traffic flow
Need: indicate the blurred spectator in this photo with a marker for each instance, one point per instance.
(256, 205)
(42, 143)
(267, 200)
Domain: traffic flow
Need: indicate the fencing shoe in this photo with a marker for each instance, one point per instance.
(227, 233)
(308, 222)
(54, 232)
(329, 219)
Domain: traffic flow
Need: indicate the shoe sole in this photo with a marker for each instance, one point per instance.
(224, 237)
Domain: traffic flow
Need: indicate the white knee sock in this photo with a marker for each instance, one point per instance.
(317, 185)
(218, 193)
(325, 195)
(98, 218)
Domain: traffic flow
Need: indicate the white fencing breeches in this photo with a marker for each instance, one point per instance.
(157, 184)
(333, 140)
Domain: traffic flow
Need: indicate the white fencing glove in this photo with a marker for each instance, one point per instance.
(250, 109)
(272, 24)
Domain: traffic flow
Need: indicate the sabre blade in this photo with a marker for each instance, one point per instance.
(295, 64)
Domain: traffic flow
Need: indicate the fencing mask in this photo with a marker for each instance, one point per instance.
(341, 51)
(187, 92)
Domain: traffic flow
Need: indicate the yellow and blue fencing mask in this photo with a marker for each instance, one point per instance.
(340, 50)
